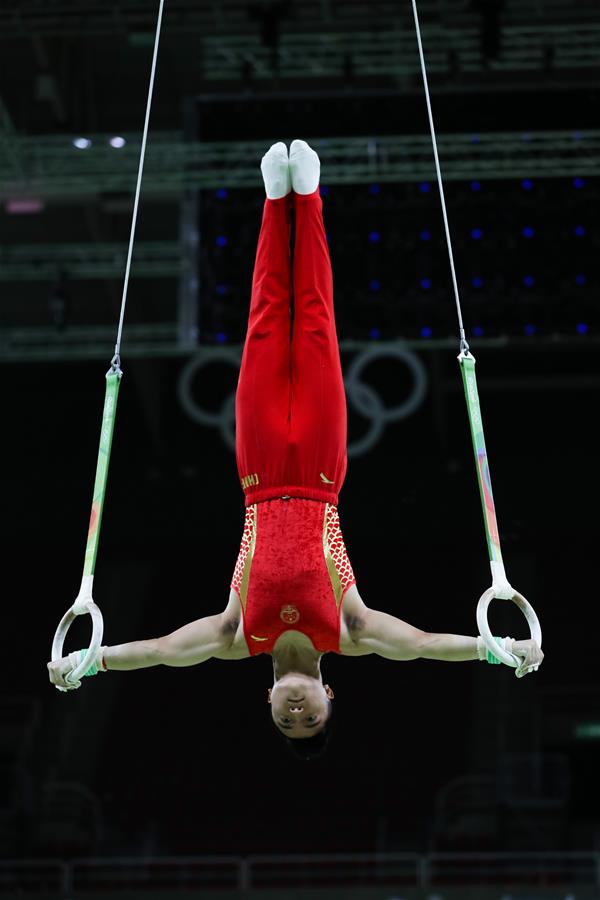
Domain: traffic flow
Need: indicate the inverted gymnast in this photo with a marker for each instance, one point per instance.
(293, 594)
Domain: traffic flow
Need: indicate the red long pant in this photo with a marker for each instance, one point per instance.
(290, 402)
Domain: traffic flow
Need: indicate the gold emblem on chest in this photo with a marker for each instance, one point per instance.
(289, 614)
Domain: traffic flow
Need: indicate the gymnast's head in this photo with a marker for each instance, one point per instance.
(300, 706)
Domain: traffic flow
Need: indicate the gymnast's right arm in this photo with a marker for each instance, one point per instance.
(212, 636)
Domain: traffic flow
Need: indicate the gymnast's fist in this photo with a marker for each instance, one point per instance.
(59, 669)
(530, 655)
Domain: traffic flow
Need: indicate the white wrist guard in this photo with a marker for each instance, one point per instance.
(77, 656)
(486, 656)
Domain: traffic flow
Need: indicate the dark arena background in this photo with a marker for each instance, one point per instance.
(441, 782)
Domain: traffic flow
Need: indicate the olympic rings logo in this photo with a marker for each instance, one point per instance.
(365, 400)
(361, 396)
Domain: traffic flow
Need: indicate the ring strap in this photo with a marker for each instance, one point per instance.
(113, 380)
(467, 367)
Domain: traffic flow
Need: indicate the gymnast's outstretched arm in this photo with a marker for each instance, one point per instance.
(372, 631)
(206, 638)
(378, 632)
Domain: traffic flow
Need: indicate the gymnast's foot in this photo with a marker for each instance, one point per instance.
(305, 168)
(275, 168)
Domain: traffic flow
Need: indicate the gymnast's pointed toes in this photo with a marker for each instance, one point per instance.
(305, 167)
(298, 147)
(275, 170)
(278, 150)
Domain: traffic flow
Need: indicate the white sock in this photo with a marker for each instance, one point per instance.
(305, 168)
(275, 168)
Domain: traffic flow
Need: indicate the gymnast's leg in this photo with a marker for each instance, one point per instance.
(263, 393)
(318, 413)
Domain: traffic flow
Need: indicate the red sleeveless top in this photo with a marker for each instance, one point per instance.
(292, 573)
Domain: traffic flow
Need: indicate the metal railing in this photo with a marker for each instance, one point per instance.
(41, 344)
(393, 52)
(52, 167)
(22, 17)
(244, 874)
(44, 262)
(162, 339)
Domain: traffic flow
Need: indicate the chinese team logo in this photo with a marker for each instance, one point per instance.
(289, 615)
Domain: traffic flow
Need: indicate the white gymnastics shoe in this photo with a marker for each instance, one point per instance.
(275, 168)
(305, 168)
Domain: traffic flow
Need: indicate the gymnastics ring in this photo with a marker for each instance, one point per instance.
(528, 611)
(79, 608)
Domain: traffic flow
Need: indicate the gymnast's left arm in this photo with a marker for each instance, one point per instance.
(196, 642)
(189, 645)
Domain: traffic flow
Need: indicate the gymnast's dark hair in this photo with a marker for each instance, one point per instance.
(307, 749)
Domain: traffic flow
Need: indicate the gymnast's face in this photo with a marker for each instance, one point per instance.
(300, 705)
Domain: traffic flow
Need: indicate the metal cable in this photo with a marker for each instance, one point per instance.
(116, 360)
(463, 342)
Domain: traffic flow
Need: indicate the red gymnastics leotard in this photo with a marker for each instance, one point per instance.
(292, 570)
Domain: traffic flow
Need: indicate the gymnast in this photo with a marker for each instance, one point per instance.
(293, 594)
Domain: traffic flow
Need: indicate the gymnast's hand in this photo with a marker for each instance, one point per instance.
(530, 654)
(60, 668)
